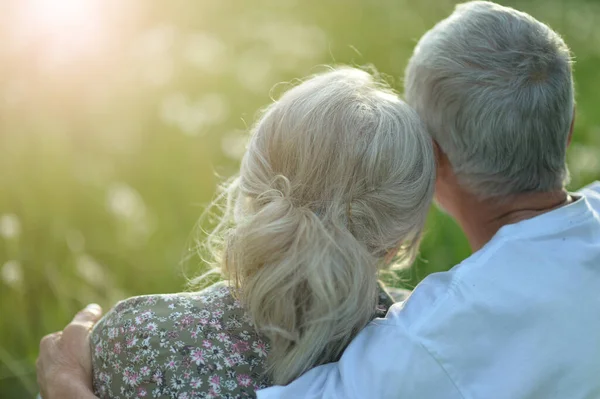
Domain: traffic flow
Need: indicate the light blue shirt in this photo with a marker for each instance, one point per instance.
(518, 319)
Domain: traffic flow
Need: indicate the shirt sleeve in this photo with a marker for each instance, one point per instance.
(383, 361)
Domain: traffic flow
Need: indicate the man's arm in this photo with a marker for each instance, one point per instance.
(64, 366)
(383, 361)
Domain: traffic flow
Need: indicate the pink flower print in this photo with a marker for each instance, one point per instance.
(196, 382)
(244, 380)
(145, 371)
(203, 320)
(141, 392)
(158, 377)
(218, 314)
(197, 356)
(216, 324)
(98, 350)
(152, 326)
(117, 348)
(240, 347)
(207, 344)
(260, 348)
(131, 341)
(222, 337)
(230, 362)
(186, 321)
(171, 364)
(130, 377)
(150, 301)
(214, 381)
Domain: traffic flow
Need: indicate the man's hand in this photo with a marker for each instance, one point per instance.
(64, 366)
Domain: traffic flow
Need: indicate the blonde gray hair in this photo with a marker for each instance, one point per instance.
(338, 173)
(495, 88)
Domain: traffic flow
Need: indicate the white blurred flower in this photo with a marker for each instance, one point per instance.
(135, 224)
(214, 106)
(123, 201)
(90, 270)
(10, 226)
(11, 273)
(233, 144)
(583, 160)
(177, 110)
(205, 51)
(191, 117)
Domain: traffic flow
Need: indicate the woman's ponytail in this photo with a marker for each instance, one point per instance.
(308, 284)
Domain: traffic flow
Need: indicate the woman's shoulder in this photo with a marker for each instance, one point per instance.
(218, 294)
(181, 311)
(172, 344)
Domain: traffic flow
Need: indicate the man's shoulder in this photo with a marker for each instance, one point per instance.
(595, 187)
(592, 193)
(449, 292)
(433, 291)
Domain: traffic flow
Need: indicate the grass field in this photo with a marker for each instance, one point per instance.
(112, 133)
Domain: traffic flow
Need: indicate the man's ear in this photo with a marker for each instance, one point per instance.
(571, 128)
(437, 152)
(441, 159)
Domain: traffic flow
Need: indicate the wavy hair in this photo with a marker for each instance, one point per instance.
(338, 174)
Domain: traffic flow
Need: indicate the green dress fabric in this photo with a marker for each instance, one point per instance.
(186, 345)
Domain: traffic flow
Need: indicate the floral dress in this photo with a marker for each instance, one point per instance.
(186, 345)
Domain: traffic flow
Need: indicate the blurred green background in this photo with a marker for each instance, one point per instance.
(117, 115)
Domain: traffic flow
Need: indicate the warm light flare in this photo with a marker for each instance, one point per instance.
(62, 29)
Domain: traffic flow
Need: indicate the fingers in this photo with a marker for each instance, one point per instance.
(49, 341)
(48, 348)
(79, 329)
(91, 313)
(67, 352)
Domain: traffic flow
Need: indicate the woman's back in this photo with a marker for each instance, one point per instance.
(185, 345)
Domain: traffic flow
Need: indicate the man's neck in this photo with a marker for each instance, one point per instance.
(481, 219)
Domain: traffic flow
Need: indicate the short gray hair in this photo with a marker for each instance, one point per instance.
(495, 88)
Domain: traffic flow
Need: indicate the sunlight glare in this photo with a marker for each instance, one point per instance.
(62, 28)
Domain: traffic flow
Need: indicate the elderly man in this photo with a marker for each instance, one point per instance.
(520, 318)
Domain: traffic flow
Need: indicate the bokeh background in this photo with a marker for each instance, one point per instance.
(116, 116)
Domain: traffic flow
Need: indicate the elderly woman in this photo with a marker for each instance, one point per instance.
(335, 184)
